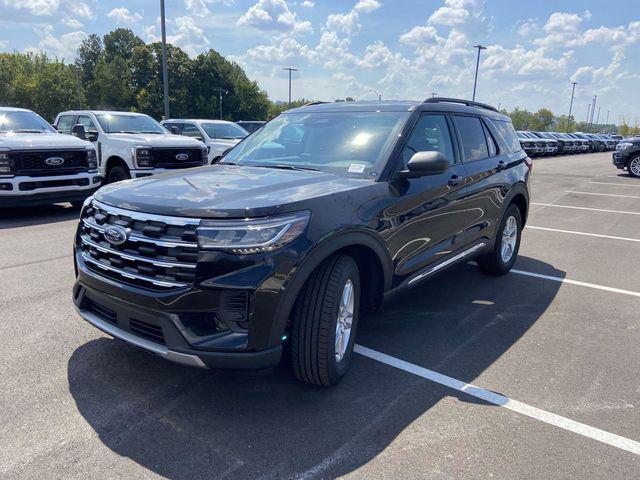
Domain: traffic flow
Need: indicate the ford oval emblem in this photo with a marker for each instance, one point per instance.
(54, 161)
(116, 235)
(182, 157)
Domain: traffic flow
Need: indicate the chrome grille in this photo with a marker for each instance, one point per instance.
(160, 252)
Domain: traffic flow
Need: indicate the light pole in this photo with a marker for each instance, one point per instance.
(290, 69)
(593, 110)
(598, 118)
(220, 91)
(165, 74)
(377, 93)
(607, 123)
(573, 91)
(433, 94)
(475, 81)
(586, 123)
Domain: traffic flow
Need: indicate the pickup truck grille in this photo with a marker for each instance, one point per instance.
(166, 157)
(540, 144)
(160, 253)
(33, 163)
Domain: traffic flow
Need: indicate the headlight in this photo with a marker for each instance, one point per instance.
(205, 154)
(6, 164)
(92, 161)
(620, 146)
(251, 235)
(142, 157)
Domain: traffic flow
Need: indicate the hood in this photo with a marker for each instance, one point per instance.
(157, 140)
(230, 191)
(37, 141)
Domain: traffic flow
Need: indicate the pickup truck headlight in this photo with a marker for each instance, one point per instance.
(620, 146)
(92, 161)
(205, 154)
(253, 235)
(142, 157)
(6, 164)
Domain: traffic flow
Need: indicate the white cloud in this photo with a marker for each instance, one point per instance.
(367, 6)
(187, 35)
(122, 16)
(72, 22)
(35, 7)
(274, 15)
(308, 4)
(3, 44)
(63, 47)
(345, 22)
(288, 50)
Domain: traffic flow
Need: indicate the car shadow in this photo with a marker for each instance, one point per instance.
(185, 423)
(37, 215)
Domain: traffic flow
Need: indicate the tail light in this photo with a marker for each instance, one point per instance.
(529, 163)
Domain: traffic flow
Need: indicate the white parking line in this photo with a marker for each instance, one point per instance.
(602, 194)
(617, 184)
(576, 282)
(583, 233)
(506, 402)
(585, 208)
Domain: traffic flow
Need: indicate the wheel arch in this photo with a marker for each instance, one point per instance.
(373, 261)
(115, 160)
(519, 196)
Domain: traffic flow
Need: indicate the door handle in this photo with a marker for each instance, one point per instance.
(501, 165)
(454, 181)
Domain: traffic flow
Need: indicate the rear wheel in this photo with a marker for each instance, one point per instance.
(505, 251)
(634, 167)
(117, 174)
(324, 322)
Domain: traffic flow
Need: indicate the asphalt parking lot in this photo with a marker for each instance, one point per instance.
(552, 350)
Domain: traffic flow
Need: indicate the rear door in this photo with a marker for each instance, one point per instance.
(486, 164)
(428, 216)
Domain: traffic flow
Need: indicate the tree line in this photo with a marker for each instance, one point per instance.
(121, 72)
(545, 120)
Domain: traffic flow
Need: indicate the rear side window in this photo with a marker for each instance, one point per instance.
(474, 143)
(88, 124)
(65, 124)
(508, 134)
(190, 130)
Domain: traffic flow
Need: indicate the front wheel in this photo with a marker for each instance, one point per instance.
(634, 167)
(324, 322)
(505, 251)
(117, 174)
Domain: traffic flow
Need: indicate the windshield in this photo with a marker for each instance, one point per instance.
(226, 131)
(123, 123)
(23, 122)
(350, 144)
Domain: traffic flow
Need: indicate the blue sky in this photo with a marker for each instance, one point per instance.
(399, 48)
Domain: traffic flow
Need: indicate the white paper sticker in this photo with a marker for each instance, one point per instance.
(356, 167)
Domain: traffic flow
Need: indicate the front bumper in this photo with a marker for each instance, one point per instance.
(619, 159)
(28, 191)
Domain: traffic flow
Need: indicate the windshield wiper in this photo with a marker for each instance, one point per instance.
(28, 130)
(286, 167)
(156, 133)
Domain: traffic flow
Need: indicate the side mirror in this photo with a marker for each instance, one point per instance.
(426, 163)
(173, 129)
(78, 131)
(92, 135)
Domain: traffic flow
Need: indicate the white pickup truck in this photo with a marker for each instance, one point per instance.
(131, 145)
(40, 166)
(218, 135)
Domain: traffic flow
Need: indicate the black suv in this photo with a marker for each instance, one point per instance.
(627, 155)
(325, 211)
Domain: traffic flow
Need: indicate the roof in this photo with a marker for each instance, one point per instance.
(434, 104)
(13, 109)
(99, 112)
(196, 120)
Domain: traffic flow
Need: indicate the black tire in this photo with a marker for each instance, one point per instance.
(314, 318)
(492, 263)
(631, 169)
(117, 174)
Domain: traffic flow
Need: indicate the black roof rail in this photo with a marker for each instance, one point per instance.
(468, 103)
(317, 102)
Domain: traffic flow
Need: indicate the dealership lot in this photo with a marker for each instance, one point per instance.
(560, 336)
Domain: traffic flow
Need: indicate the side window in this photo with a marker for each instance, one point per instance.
(474, 143)
(190, 130)
(65, 124)
(431, 134)
(493, 148)
(89, 126)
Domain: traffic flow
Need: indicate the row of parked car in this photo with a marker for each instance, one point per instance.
(84, 149)
(538, 144)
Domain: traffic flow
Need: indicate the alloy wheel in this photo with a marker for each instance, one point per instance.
(345, 320)
(634, 166)
(509, 239)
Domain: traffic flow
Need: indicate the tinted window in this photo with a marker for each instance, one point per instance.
(190, 130)
(431, 134)
(88, 124)
(474, 144)
(65, 123)
(226, 131)
(508, 134)
(493, 148)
